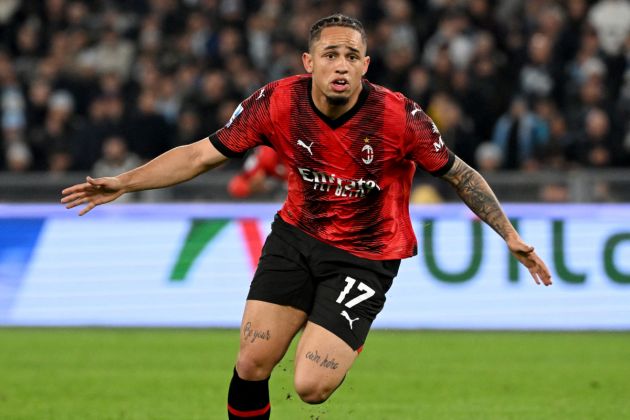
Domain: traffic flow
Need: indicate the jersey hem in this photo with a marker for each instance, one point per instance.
(357, 253)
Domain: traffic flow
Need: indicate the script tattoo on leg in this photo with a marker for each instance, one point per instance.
(253, 335)
(326, 363)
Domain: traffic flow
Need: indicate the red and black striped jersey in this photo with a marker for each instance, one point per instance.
(349, 179)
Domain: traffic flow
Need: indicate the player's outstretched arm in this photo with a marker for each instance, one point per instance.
(473, 189)
(173, 167)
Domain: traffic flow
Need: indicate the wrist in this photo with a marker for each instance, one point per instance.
(512, 237)
(124, 183)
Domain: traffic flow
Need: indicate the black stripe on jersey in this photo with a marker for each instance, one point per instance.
(447, 166)
(214, 139)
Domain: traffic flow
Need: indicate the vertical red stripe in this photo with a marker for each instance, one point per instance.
(253, 240)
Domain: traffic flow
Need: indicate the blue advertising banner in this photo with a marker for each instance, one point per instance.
(191, 264)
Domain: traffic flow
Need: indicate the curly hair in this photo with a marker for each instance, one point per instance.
(335, 20)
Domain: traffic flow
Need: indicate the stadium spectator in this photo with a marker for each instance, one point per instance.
(418, 85)
(116, 158)
(50, 142)
(595, 147)
(214, 90)
(456, 128)
(611, 19)
(168, 100)
(538, 76)
(111, 54)
(488, 157)
(147, 131)
(86, 145)
(486, 80)
(37, 102)
(568, 41)
(15, 152)
(188, 127)
(520, 134)
(554, 153)
(198, 55)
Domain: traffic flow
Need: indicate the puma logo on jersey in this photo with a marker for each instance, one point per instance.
(350, 321)
(262, 93)
(415, 110)
(301, 143)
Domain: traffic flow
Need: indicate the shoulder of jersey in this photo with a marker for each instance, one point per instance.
(291, 80)
(392, 98)
(281, 84)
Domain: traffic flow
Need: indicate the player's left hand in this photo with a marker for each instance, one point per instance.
(528, 257)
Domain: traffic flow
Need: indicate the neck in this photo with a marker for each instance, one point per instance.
(330, 110)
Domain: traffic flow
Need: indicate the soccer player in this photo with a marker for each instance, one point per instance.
(260, 168)
(350, 149)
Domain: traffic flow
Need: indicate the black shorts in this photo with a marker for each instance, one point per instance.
(339, 291)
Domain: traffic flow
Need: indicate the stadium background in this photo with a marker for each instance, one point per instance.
(534, 94)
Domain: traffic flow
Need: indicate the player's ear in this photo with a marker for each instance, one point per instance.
(366, 64)
(307, 61)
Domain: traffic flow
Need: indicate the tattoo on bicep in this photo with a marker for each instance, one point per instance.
(326, 363)
(253, 335)
(473, 189)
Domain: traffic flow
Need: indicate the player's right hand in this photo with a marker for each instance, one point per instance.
(93, 192)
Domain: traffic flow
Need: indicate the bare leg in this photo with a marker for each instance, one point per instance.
(321, 363)
(266, 332)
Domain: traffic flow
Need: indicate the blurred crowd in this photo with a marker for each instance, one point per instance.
(104, 85)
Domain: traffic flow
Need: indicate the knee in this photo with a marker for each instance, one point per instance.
(253, 367)
(313, 391)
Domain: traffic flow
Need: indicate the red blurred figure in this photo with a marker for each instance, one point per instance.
(261, 168)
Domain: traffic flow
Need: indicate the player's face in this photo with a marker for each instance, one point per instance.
(338, 62)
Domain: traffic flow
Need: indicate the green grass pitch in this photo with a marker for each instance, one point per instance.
(89, 374)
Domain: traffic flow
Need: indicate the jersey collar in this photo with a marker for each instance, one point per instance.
(341, 120)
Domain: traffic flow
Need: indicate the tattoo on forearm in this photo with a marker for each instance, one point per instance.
(327, 363)
(473, 189)
(253, 335)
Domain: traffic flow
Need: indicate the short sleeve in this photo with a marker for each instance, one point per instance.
(423, 142)
(248, 127)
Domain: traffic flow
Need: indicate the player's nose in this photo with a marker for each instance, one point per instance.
(342, 67)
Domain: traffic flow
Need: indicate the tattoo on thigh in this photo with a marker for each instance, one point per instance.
(253, 335)
(327, 363)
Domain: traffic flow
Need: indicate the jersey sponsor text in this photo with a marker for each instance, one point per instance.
(340, 187)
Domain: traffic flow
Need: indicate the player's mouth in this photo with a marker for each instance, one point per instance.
(340, 85)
